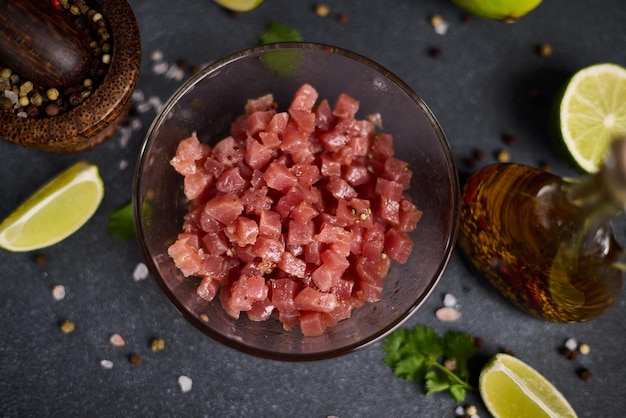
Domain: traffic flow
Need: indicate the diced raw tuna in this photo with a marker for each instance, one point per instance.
(292, 265)
(312, 324)
(229, 151)
(297, 215)
(304, 98)
(398, 245)
(346, 106)
(309, 299)
(224, 208)
(278, 177)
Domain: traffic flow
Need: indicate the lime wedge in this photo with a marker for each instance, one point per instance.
(507, 11)
(55, 211)
(592, 113)
(511, 388)
(239, 5)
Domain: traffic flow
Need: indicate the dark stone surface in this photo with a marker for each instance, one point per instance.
(480, 87)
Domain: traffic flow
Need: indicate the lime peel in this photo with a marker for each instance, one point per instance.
(55, 211)
(507, 11)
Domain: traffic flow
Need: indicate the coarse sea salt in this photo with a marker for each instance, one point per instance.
(447, 314)
(58, 292)
(107, 364)
(185, 383)
(449, 300)
(140, 272)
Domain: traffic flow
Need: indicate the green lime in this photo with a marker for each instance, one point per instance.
(505, 10)
(239, 5)
(592, 113)
(511, 388)
(55, 211)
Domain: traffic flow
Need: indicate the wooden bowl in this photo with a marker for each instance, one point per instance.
(100, 115)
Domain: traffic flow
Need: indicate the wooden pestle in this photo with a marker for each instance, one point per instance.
(42, 44)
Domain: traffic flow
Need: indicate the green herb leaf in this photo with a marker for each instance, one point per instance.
(121, 223)
(415, 355)
(278, 32)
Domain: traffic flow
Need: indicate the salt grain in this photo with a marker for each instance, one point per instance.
(156, 55)
(141, 272)
(449, 300)
(571, 344)
(107, 364)
(136, 124)
(447, 314)
(125, 133)
(138, 96)
(185, 383)
(58, 292)
(123, 164)
(117, 340)
(160, 68)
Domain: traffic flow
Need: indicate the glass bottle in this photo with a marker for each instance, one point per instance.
(547, 242)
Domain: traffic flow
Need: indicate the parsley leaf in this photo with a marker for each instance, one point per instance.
(121, 224)
(415, 355)
(278, 32)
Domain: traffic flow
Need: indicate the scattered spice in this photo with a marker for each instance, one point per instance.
(584, 349)
(585, 374)
(479, 342)
(571, 344)
(40, 259)
(439, 24)
(184, 383)
(135, 359)
(447, 314)
(544, 50)
(569, 353)
(466, 18)
(58, 292)
(157, 344)
(322, 10)
(435, 52)
(471, 410)
(117, 340)
(68, 326)
(204, 317)
(449, 300)
(140, 272)
(342, 18)
(503, 156)
(509, 139)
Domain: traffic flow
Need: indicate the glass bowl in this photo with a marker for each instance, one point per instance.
(207, 105)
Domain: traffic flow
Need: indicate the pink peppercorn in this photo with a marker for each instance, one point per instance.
(56, 3)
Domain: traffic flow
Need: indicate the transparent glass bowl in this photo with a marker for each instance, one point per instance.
(209, 102)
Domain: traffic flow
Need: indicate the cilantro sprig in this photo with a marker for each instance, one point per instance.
(417, 355)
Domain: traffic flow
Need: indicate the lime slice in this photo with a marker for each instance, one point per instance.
(511, 388)
(507, 11)
(55, 211)
(239, 5)
(592, 113)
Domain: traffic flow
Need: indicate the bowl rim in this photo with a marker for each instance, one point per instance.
(298, 356)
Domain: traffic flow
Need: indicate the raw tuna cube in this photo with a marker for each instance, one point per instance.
(265, 102)
(245, 291)
(292, 265)
(185, 257)
(389, 189)
(324, 118)
(410, 215)
(278, 124)
(224, 208)
(255, 201)
(216, 243)
(389, 210)
(207, 289)
(283, 293)
(243, 231)
(278, 177)
(306, 173)
(382, 145)
(398, 170)
(304, 120)
(231, 181)
(398, 245)
(269, 249)
(356, 174)
(260, 311)
(309, 299)
(374, 242)
(189, 150)
(312, 324)
(257, 154)
(340, 188)
(346, 106)
(270, 224)
(304, 98)
(300, 232)
(196, 184)
(258, 121)
(229, 151)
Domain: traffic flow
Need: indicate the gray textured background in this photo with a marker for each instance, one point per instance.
(478, 89)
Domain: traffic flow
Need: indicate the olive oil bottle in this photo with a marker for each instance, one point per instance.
(547, 242)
